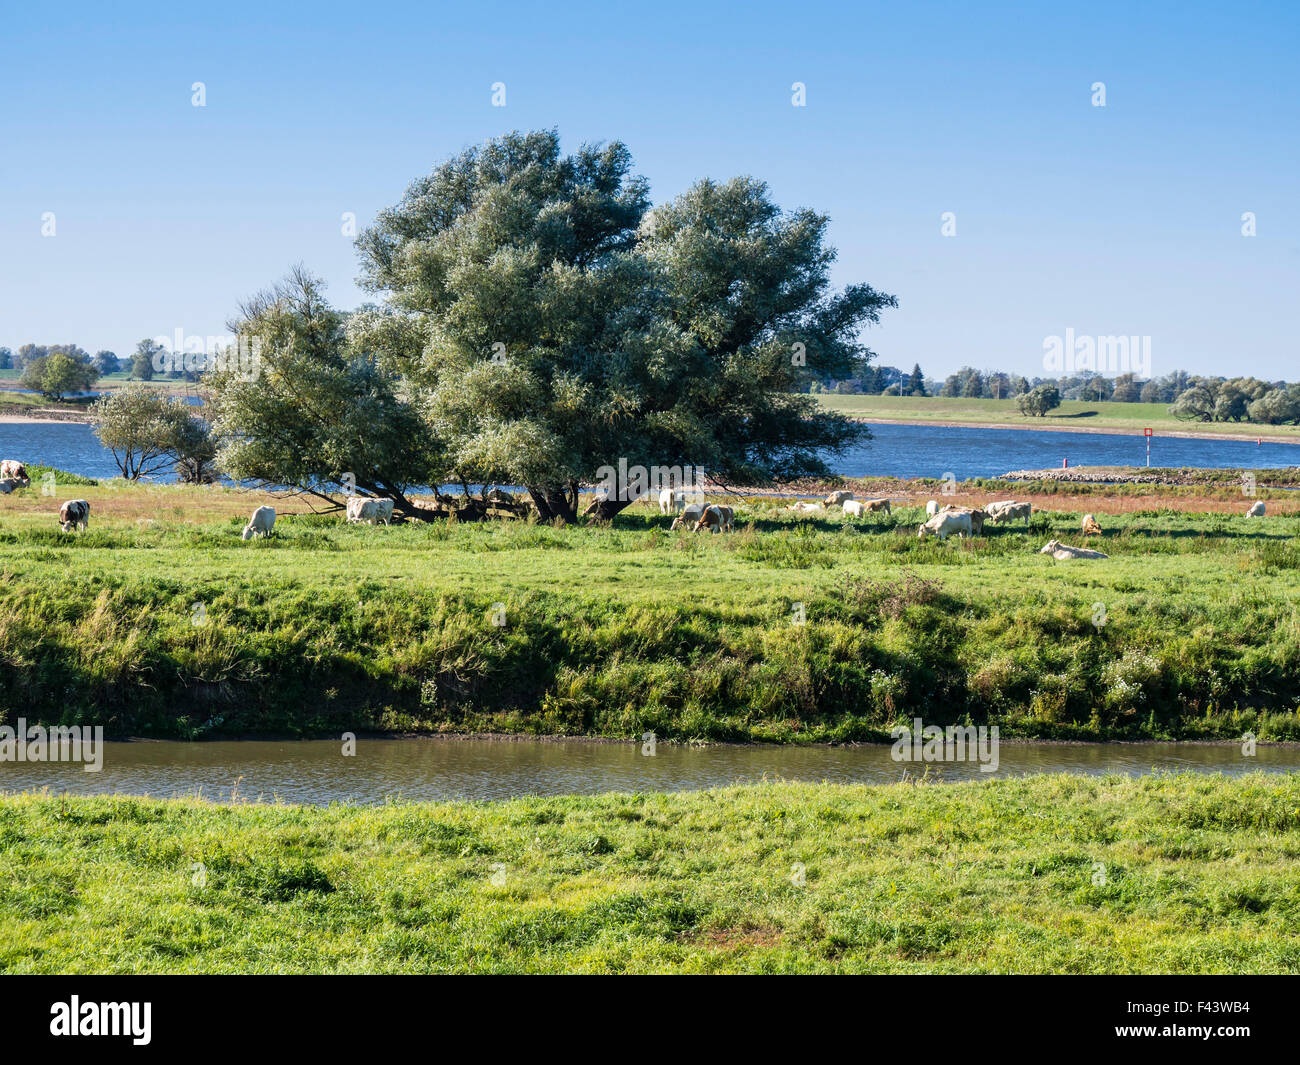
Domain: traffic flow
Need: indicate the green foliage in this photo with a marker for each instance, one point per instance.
(56, 375)
(148, 431)
(1038, 401)
(310, 408)
(550, 324)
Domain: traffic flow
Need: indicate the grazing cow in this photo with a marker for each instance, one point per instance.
(977, 517)
(806, 508)
(1256, 510)
(1064, 551)
(12, 468)
(944, 524)
(75, 513)
(837, 498)
(716, 518)
(691, 512)
(370, 511)
(1090, 526)
(875, 506)
(931, 509)
(9, 484)
(998, 505)
(260, 524)
(854, 507)
(1010, 511)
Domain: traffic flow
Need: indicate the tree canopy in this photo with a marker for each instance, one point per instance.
(541, 321)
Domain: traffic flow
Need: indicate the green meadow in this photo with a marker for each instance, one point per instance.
(1048, 874)
(160, 621)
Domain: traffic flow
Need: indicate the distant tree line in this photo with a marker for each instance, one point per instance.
(1188, 396)
(139, 365)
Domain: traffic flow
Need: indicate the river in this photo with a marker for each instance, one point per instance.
(316, 771)
(896, 450)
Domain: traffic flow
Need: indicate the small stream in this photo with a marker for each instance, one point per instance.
(317, 772)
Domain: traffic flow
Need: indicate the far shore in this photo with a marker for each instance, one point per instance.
(1263, 434)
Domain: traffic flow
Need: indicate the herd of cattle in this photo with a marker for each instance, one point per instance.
(941, 522)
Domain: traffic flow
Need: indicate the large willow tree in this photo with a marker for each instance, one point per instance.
(540, 321)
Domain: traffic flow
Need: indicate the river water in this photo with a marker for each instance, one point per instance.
(317, 772)
(897, 451)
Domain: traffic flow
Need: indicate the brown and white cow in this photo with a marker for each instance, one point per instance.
(12, 469)
(75, 513)
(716, 518)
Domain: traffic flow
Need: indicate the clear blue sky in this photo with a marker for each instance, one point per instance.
(1115, 220)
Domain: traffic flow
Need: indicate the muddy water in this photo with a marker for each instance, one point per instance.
(316, 771)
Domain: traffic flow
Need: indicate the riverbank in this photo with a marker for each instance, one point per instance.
(160, 621)
(1072, 416)
(1187, 874)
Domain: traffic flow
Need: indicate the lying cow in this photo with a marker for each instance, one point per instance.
(836, 499)
(74, 514)
(260, 524)
(9, 484)
(12, 469)
(1009, 512)
(806, 508)
(1256, 510)
(690, 513)
(1063, 551)
(370, 511)
(1091, 527)
(945, 523)
(716, 518)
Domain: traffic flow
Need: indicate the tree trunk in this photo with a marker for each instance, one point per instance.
(554, 501)
(605, 509)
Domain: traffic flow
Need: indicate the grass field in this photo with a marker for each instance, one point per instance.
(1074, 415)
(1158, 874)
(160, 621)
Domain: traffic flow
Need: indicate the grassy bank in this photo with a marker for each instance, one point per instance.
(160, 621)
(1041, 874)
(1075, 415)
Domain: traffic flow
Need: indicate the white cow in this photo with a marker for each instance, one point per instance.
(854, 507)
(671, 501)
(931, 509)
(1064, 551)
(944, 524)
(370, 511)
(260, 524)
(73, 514)
(1256, 510)
(805, 508)
(690, 513)
(837, 498)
